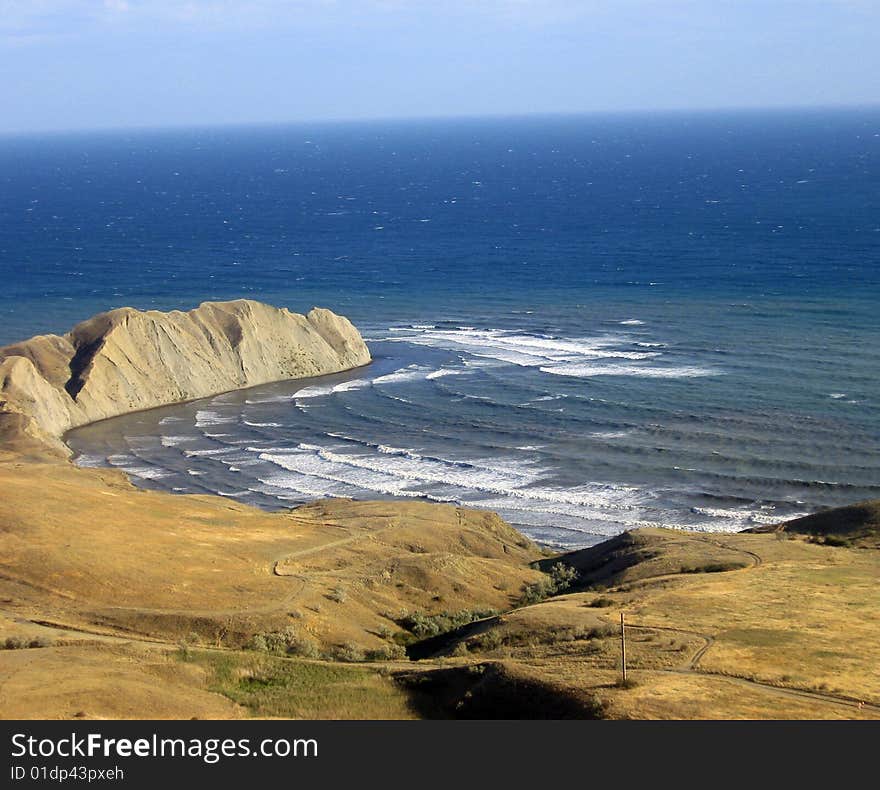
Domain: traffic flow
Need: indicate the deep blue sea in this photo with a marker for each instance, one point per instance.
(584, 323)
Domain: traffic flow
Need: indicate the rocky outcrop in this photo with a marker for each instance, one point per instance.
(126, 360)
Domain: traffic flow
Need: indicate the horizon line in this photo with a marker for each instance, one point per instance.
(513, 116)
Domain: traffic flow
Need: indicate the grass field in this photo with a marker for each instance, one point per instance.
(120, 603)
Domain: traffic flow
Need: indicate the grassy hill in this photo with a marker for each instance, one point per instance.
(857, 525)
(118, 602)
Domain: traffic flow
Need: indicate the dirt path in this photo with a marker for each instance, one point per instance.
(93, 634)
(690, 668)
(365, 535)
(692, 662)
(116, 637)
(755, 558)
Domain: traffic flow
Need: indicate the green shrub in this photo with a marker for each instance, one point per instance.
(19, 643)
(289, 640)
(601, 603)
(461, 650)
(424, 626)
(560, 578)
(535, 592)
(338, 594)
(712, 567)
(563, 576)
(304, 647)
(491, 640)
(385, 653)
(349, 652)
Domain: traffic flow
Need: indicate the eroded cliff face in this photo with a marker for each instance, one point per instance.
(126, 360)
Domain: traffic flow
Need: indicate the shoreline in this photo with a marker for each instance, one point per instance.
(126, 603)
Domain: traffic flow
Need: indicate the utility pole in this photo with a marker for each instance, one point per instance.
(623, 646)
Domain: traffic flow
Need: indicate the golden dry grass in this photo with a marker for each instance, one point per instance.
(105, 580)
(794, 634)
(84, 548)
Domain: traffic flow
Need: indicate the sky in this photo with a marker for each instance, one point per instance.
(83, 64)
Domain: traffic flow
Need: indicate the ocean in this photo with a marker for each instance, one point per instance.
(587, 324)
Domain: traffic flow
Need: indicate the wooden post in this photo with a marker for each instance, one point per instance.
(623, 646)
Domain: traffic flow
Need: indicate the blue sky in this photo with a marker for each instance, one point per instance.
(74, 64)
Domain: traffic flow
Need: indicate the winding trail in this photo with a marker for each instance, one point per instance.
(691, 665)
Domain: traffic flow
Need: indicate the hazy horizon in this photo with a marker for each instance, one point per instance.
(463, 118)
(83, 65)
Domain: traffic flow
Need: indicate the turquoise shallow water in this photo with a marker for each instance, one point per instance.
(584, 323)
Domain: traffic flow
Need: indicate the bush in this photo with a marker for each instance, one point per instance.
(712, 567)
(18, 643)
(535, 592)
(491, 640)
(601, 603)
(338, 594)
(461, 650)
(385, 653)
(349, 652)
(561, 577)
(425, 626)
(601, 632)
(288, 641)
(304, 647)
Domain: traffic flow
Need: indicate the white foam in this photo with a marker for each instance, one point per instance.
(147, 472)
(545, 353)
(589, 371)
(487, 476)
(410, 373)
(173, 441)
(315, 391)
(276, 399)
(263, 424)
(740, 519)
(837, 395)
(91, 461)
(120, 459)
(205, 418)
(355, 384)
(632, 322)
(320, 390)
(445, 372)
